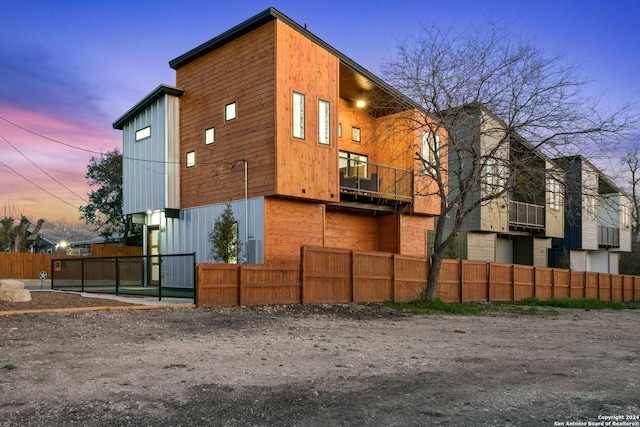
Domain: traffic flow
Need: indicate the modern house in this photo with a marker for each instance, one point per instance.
(308, 147)
(597, 219)
(521, 188)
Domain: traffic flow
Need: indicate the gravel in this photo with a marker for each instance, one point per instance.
(310, 365)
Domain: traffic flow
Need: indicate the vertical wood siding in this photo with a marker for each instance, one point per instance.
(305, 168)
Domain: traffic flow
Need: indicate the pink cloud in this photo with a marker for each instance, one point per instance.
(66, 164)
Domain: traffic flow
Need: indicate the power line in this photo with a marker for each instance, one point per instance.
(36, 185)
(47, 138)
(101, 153)
(42, 170)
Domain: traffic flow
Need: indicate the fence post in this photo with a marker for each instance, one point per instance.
(535, 282)
(82, 275)
(513, 282)
(393, 277)
(117, 275)
(240, 298)
(461, 278)
(488, 282)
(352, 274)
(159, 277)
(553, 283)
(196, 279)
(302, 281)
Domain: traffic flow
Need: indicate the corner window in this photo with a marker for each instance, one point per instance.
(230, 111)
(355, 134)
(323, 122)
(143, 133)
(298, 115)
(209, 136)
(191, 159)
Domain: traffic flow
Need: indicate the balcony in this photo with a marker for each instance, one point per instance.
(370, 182)
(526, 216)
(608, 237)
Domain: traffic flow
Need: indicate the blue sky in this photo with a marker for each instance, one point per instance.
(68, 69)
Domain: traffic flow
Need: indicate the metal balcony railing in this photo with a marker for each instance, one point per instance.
(526, 216)
(374, 180)
(608, 237)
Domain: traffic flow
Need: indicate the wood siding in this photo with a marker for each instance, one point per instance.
(389, 233)
(413, 234)
(481, 246)
(350, 231)
(242, 71)
(305, 168)
(290, 225)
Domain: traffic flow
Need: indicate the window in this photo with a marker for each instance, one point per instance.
(230, 111)
(323, 122)
(355, 134)
(554, 194)
(191, 159)
(298, 115)
(143, 133)
(426, 152)
(590, 210)
(626, 217)
(339, 130)
(352, 164)
(209, 136)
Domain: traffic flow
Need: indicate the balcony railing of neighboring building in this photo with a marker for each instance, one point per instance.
(375, 181)
(526, 216)
(608, 237)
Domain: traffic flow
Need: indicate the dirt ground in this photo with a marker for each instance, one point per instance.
(319, 365)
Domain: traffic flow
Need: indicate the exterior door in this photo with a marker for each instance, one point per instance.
(153, 250)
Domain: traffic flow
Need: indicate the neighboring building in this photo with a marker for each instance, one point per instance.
(518, 224)
(290, 132)
(597, 219)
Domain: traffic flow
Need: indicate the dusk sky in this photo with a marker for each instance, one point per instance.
(68, 69)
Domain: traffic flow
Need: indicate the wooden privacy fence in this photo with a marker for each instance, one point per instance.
(327, 275)
(28, 266)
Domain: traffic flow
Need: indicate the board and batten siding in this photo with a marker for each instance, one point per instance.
(241, 71)
(190, 233)
(149, 171)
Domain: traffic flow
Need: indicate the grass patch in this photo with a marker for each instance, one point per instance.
(580, 303)
(528, 306)
(9, 367)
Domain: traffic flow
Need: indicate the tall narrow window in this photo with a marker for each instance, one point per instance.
(554, 194)
(298, 115)
(230, 111)
(209, 136)
(191, 159)
(426, 154)
(323, 122)
(143, 133)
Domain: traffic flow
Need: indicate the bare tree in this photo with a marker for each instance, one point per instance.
(631, 163)
(491, 85)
